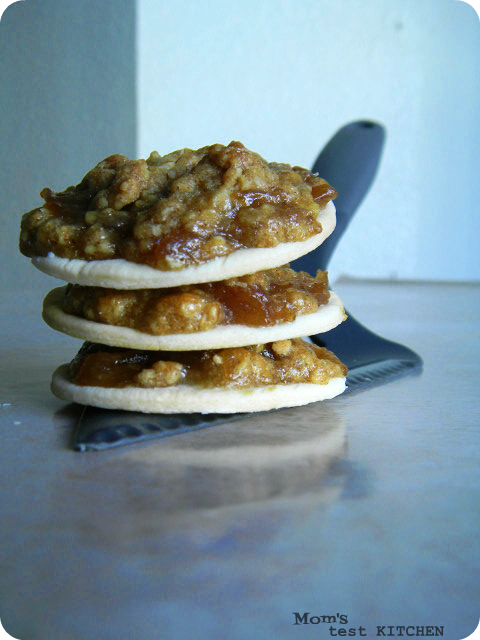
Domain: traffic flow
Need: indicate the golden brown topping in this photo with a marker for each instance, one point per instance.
(282, 362)
(161, 374)
(184, 208)
(264, 298)
(282, 347)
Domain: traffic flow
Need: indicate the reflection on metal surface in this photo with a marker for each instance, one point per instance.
(256, 460)
(150, 491)
(99, 429)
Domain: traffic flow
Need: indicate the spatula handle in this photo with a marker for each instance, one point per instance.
(349, 162)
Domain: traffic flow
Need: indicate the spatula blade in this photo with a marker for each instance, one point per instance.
(370, 358)
(99, 429)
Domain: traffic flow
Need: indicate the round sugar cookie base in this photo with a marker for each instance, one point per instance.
(191, 399)
(121, 274)
(325, 318)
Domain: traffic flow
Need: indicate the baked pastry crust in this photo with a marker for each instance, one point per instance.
(190, 399)
(325, 318)
(121, 274)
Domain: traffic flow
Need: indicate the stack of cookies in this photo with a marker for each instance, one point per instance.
(177, 281)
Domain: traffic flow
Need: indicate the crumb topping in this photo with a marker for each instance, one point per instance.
(281, 362)
(181, 209)
(265, 298)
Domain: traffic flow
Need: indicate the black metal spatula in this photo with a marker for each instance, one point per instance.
(348, 162)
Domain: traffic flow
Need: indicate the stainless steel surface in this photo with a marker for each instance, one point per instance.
(365, 506)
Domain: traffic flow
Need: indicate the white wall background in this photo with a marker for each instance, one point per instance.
(283, 75)
(67, 73)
